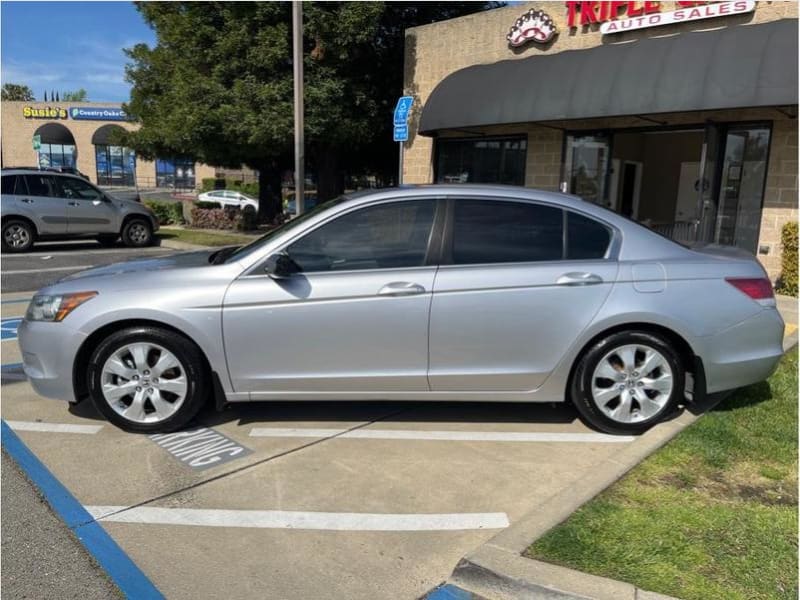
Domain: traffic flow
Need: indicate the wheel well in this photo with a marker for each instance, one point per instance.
(128, 218)
(20, 218)
(691, 362)
(79, 367)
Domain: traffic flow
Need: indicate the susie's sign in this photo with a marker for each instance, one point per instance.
(616, 17)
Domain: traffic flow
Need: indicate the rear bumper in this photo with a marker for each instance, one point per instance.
(743, 354)
(48, 354)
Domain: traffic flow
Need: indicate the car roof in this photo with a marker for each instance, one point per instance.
(30, 170)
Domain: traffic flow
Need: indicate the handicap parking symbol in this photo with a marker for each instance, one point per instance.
(8, 328)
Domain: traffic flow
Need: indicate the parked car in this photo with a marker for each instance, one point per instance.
(449, 292)
(291, 203)
(39, 205)
(230, 198)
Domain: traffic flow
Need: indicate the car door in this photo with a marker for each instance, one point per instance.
(88, 209)
(42, 200)
(354, 319)
(518, 282)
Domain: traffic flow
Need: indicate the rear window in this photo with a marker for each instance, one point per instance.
(586, 238)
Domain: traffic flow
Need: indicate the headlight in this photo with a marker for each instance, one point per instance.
(57, 307)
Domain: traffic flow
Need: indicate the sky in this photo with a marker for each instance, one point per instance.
(65, 46)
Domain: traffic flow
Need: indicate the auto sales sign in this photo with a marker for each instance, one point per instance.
(616, 17)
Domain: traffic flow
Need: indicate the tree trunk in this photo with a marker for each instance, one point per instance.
(269, 192)
(330, 182)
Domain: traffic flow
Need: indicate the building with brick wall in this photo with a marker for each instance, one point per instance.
(681, 115)
(79, 135)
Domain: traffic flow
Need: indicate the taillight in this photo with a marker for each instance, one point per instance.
(757, 288)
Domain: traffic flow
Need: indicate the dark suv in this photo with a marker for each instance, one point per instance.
(47, 205)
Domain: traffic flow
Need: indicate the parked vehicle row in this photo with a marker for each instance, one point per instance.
(450, 292)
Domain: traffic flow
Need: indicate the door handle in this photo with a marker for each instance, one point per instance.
(26, 200)
(401, 288)
(578, 278)
(73, 204)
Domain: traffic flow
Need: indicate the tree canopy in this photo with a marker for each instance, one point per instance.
(218, 83)
(79, 95)
(15, 91)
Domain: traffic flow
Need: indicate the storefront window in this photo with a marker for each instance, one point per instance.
(482, 160)
(176, 172)
(116, 165)
(57, 155)
(586, 166)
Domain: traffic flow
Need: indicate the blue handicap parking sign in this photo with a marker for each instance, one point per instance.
(8, 328)
(400, 133)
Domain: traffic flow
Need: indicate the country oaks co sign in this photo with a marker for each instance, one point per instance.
(616, 17)
(533, 26)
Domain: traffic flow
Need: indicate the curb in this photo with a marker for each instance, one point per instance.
(175, 245)
(497, 569)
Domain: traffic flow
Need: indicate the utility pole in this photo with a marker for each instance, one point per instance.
(299, 142)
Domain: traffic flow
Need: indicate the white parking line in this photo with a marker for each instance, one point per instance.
(73, 268)
(53, 427)
(464, 436)
(283, 519)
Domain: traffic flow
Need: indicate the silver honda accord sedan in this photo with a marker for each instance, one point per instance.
(442, 292)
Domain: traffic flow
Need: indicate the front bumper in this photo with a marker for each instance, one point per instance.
(743, 354)
(48, 354)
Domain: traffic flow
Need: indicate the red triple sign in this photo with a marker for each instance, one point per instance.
(586, 12)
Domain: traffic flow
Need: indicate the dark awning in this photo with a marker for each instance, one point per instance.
(734, 67)
(102, 137)
(55, 133)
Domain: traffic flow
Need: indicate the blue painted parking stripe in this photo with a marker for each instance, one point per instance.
(120, 568)
(449, 591)
(8, 328)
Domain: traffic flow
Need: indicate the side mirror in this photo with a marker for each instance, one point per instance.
(281, 266)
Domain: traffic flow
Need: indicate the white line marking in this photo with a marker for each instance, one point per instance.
(53, 427)
(465, 436)
(23, 271)
(283, 519)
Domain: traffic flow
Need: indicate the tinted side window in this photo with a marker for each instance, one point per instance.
(9, 184)
(80, 190)
(387, 236)
(496, 232)
(586, 238)
(40, 185)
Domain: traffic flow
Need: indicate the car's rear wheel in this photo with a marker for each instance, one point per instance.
(627, 382)
(137, 233)
(146, 379)
(17, 236)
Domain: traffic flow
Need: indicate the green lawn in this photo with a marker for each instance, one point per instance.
(713, 514)
(204, 238)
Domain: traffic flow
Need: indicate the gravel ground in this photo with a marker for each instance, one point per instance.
(41, 557)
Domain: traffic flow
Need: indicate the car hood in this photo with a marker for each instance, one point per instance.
(184, 260)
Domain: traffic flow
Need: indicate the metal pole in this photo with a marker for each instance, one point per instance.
(400, 166)
(299, 144)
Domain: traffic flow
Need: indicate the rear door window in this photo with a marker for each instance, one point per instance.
(41, 185)
(490, 231)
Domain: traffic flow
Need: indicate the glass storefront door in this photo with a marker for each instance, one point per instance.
(586, 166)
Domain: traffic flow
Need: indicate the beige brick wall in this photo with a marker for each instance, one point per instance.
(16, 135)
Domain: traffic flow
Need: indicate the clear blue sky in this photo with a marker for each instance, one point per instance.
(70, 45)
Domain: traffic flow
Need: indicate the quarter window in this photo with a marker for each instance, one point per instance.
(500, 232)
(387, 236)
(586, 238)
(13, 184)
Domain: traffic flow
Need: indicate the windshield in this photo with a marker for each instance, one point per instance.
(281, 229)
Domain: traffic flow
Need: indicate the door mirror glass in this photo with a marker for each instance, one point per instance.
(280, 266)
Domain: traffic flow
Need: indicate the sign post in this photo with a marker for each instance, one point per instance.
(401, 129)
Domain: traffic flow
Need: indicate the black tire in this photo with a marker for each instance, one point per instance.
(581, 384)
(191, 361)
(18, 235)
(137, 233)
(108, 239)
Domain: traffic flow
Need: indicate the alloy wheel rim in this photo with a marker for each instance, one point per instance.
(144, 382)
(16, 236)
(139, 233)
(632, 383)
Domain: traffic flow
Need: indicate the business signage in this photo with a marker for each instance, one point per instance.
(616, 17)
(93, 113)
(532, 26)
(46, 112)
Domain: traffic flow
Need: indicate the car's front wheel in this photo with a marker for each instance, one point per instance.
(147, 379)
(17, 236)
(627, 382)
(137, 232)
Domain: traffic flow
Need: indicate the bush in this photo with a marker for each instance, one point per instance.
(167, 213)
(787, 283)
(207, 184)
(201, 204)
(215, 218)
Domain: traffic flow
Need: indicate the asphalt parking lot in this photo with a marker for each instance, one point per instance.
(302, 500)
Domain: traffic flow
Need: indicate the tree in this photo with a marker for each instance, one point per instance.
(80, 95)
(218, 84)
(17, 92)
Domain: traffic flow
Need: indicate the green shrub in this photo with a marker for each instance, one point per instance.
(787, 283)
(208, 184)
(167, 213)
(201, 204)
